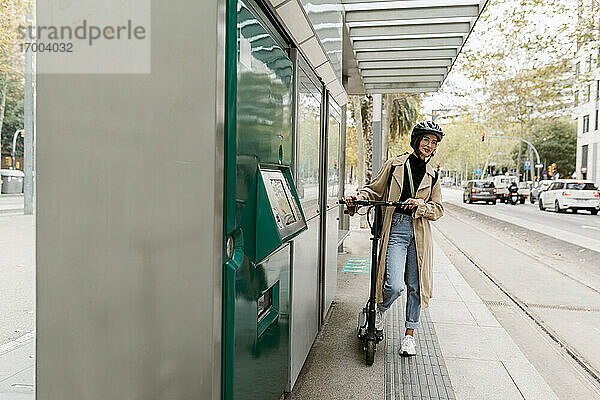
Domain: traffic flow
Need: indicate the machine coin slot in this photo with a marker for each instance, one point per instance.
(267, 308)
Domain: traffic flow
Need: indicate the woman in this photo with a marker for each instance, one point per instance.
(406, 253)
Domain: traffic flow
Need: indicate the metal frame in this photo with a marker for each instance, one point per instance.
(408, 46)
(219, 238)
(323, 203)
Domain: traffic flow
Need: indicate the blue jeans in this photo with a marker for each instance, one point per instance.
(401, 262)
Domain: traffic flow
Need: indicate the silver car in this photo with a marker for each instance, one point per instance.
(478, 190)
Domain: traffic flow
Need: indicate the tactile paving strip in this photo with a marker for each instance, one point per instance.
(423, 376)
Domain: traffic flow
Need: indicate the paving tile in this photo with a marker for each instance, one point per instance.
(464, 341)
(450, 312)
(481, 379)
(466, 293)
(529, 381)
(482, 315)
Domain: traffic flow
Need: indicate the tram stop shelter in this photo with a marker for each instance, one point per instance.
(193, 253)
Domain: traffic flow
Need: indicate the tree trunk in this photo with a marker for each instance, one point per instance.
(361, 150)
(368, 128)
(3, 91)
(385, 121)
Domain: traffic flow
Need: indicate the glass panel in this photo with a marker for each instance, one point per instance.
(264, 99)
(333, 152)
(309, 110)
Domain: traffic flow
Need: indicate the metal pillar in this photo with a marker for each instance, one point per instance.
(377, 134)
(28, 139)
(343, 218)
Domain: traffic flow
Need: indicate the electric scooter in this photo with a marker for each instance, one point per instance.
(366, 331)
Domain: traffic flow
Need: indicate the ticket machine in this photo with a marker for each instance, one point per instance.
(258, 289)
(273, 214)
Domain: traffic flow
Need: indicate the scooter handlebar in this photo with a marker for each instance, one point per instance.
(367, 203)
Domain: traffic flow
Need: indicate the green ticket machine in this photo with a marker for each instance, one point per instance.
(258, 289)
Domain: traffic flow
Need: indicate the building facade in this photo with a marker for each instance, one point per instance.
(587, 101)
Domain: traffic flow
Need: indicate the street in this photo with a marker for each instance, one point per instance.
(537, 268)
(582, 229)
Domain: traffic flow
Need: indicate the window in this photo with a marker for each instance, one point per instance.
(598, 89)
(577, 66)
(590, 63)
(487, 185)
(587, 93)
(586, 123)
(576, 94)
(596, 121)
(309, 131)
(581, 186)
(584, 156)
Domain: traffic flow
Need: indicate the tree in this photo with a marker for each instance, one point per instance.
(402, 113)
(358, 118)
(524, 73)
(367, 126)
(11, 67)
(556, 141)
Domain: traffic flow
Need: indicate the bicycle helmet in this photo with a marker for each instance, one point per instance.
(423, 128)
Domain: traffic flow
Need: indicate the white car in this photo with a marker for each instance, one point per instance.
(564, 194)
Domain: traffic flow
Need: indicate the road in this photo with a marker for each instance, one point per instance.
(536, 286)
(582, 229)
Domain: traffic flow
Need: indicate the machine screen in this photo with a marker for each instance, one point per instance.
(283, 202)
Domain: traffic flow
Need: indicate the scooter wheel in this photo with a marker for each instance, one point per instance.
(370, 354)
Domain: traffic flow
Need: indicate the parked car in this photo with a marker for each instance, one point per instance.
(501, 183)
(524, 192)
(565, 194)
(478, 190)
(537, 189)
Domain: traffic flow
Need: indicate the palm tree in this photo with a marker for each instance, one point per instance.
(402, 113)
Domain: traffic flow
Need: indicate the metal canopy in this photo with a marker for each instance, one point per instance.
(408, 46)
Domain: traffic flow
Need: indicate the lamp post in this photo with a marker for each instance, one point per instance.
(537, 155)
(14, 146)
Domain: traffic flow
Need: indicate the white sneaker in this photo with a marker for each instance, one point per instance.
(408, 346)
(379, 319)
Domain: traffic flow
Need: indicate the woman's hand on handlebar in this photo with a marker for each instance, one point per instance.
(350, 204)
(412, 204)
(350, 201)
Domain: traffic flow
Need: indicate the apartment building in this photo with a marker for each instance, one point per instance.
(587, 100)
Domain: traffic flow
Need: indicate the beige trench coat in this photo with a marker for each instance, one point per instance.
(429, 208)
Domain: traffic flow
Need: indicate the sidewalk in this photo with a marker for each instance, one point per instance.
(463, 352)
(17, 308)
(17, 369)
(11, 204)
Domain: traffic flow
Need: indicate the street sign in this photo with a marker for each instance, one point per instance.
(527, 165)
(539, 165)
(478, 171)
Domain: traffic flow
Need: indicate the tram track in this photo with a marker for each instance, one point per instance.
(527, 254)
(525, 308)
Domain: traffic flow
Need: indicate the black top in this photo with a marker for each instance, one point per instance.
(417, 167)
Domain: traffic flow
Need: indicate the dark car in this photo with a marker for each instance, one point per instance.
(478, 190)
